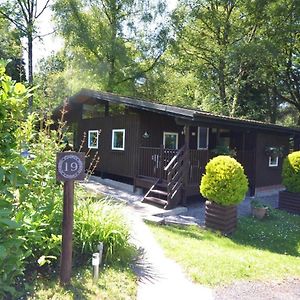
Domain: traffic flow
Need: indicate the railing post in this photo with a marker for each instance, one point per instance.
(186, 155)
(161, 162)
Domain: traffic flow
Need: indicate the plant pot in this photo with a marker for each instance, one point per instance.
(289, 202)
(221, 218)
(259, 212)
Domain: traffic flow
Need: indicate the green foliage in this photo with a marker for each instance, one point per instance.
(12, 100)
(224, 181)
(256, 203)
(113, 284)
(109, 36)
(53, 82)
(291, 172)
(11, 253)
(233, 57)
(100, 220)
(9, 40)
(40, 199)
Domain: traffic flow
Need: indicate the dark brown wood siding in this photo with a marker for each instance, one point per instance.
(118, 162)
(265, 175)
(155, 125)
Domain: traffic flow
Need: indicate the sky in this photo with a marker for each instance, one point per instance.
(52, 43)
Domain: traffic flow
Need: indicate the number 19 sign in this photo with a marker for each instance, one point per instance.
(70, 166)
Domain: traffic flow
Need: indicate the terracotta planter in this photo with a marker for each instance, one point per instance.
(289, 202)
(221, 218)
(259, 212)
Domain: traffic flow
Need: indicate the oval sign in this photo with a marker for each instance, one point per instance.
(70, 166)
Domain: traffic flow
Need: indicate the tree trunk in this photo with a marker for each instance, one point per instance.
(30, 67)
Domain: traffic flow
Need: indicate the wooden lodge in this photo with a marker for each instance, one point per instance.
(164, 149)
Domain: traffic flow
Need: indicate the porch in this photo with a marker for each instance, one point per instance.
(171, 176)
(153, 162)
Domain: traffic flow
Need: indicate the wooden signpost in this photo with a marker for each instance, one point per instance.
(70, 166)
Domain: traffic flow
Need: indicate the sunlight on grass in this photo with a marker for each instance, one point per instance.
(257, 250)
(113, 284)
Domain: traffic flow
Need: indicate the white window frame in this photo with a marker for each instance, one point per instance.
(170, 133)
(198, 140)
(89, 139)
(273, 164)
(112, 139)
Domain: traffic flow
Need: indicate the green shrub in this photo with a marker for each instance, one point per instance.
(224, 181)
(101, 221)
(12, 101)
(291, 172)
(40, 199)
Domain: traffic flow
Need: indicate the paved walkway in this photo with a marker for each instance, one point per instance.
(159, 276)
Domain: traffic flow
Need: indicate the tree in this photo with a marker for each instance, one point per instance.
(10, 41)
(52, 81)
(24, 15)
(107, 34)
(217, 38)
(11, 51)
(284, 35)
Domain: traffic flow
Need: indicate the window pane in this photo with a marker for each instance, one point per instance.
(170, 141)
(91, 111)
(202, 138)
(118, 139)
(273, 161)
(93, 139)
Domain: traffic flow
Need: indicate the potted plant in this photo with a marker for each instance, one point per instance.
(289, 199)
(258, 209)
(224, 185)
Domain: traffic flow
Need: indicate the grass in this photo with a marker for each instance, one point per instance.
(113, 284)
(266, 249)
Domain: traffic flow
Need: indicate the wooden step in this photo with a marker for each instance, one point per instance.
(161, 185)
(155, 200)
(147, 182)
(159, 192)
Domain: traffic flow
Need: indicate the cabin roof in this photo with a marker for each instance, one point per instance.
(192, 116)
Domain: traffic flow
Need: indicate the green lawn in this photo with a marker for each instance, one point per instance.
(113, 284)
(267, 249)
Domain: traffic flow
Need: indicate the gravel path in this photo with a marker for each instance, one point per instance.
(288, 289)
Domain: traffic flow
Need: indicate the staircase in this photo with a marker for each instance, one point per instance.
(169, 193)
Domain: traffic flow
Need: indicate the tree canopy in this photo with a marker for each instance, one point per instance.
(237, 58)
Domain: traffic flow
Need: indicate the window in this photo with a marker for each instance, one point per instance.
(116, 109)
(91, 111)
(202, 140)
(273, 161)
(170, 140)
(93, 138)
(118, 139)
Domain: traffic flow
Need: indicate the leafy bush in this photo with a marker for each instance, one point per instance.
(40, 204)
(12, 174)
(101, 220)
(291, 172)
(224, 181)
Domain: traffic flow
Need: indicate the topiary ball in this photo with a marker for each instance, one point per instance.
(224, 181)
(291, 172)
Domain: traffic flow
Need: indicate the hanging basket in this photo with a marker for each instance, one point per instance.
(274, 151)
